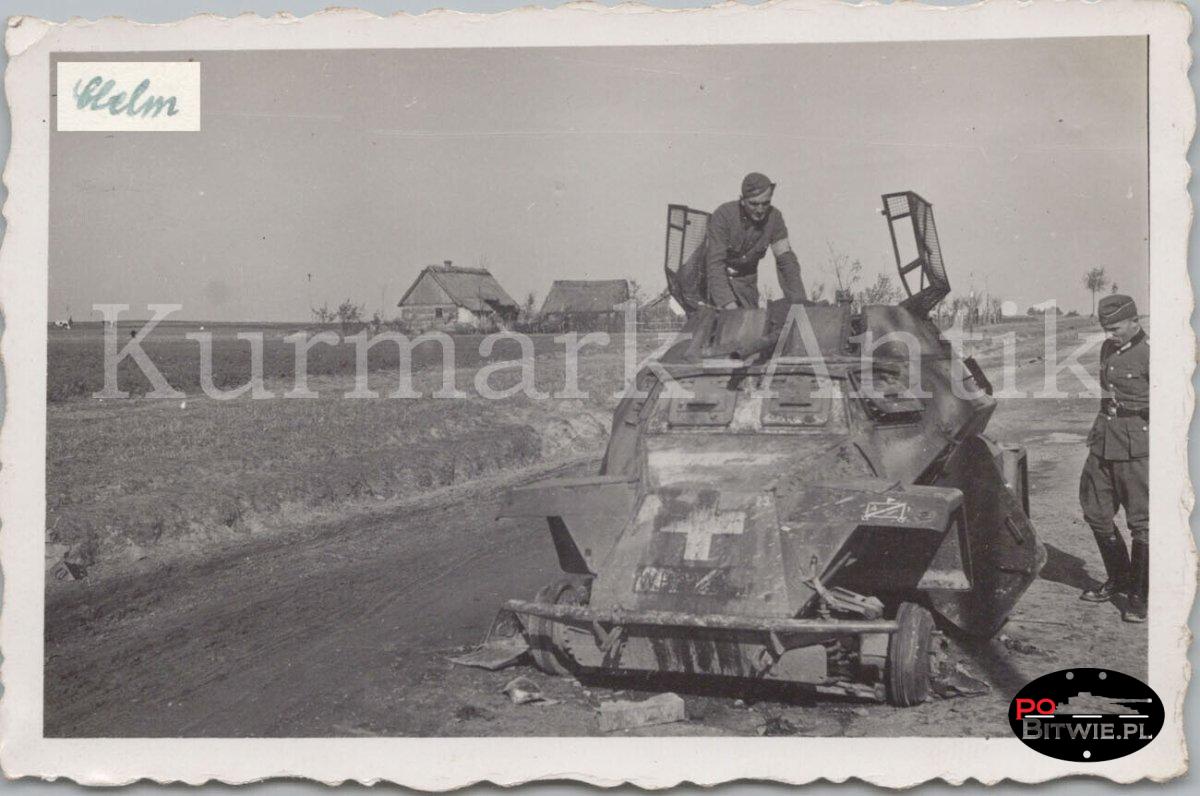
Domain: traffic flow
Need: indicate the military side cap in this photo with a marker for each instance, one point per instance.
(755, 183)
(1116, 308)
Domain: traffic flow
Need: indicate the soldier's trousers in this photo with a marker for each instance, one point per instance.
(1106, 487)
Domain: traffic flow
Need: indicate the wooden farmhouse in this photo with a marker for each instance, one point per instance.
(585, 304)
(446, 296)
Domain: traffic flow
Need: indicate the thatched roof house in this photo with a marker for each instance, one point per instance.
(444, 295)
(574, 296)
(585, 304)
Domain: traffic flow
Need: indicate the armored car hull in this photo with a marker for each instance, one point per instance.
(798, 493)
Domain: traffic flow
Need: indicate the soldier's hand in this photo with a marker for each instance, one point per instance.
(730, 306)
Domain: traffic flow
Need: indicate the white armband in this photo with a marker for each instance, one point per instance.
(781, 247)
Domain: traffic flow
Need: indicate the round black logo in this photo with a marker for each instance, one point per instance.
(1086, 715)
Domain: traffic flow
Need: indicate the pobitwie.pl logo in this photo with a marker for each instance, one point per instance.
(1086, 715)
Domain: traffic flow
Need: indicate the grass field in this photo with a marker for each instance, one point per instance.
(144, 477)
(76, 356)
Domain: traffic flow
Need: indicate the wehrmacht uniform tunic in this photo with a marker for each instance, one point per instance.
(733, 247)
(1116, 474)
(724, 268)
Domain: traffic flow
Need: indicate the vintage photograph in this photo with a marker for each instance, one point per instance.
(763, 390)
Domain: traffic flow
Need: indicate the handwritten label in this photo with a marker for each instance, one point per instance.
(146, 96)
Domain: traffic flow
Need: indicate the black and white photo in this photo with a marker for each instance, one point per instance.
(404, 385)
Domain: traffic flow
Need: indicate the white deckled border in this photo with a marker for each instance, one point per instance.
(441, 764)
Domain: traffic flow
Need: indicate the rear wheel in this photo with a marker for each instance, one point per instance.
(907, 676)
(546, 644)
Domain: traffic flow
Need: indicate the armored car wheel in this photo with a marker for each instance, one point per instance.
(546, 648)
(907, 673)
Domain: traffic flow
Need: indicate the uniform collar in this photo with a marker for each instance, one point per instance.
(749, 222)
(1137, 338)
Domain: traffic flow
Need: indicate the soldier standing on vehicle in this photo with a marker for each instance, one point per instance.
(723, 271)
(1116, 475)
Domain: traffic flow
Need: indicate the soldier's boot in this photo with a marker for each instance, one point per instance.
(1139, 591)
(1116, 566)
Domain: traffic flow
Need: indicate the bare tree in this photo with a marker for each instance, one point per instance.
(636, 291)
(348, 313)
(846, 273)
(881, 292)
(995, 309)
(530, 305)
(323, 314)
(973, 301)
(1095, 281)
(966, 308)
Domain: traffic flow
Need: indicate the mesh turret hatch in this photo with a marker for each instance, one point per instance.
(685, 232)
(919, 252)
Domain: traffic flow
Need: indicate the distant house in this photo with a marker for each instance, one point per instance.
(1041, 308)
(445, 295)
(585, 304)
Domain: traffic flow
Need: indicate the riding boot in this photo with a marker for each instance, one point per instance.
(1139, 592)
(1116, 567)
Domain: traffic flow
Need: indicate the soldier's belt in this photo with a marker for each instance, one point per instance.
(1121, 411)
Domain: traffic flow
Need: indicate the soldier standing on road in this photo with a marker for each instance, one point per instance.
(1116, 475)
(723, 271)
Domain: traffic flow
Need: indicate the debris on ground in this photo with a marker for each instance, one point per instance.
(68, 570)
(56, 553)
(1020, 620)
(625, 715)
(952, 680)
(948, 676)
(523, 691)
(503, 646)
(1021, 647)
(496, 654)
(590, 699)
(859, 711)
(64, 563)
(778, 725)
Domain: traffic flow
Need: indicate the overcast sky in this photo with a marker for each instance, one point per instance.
(361, 167)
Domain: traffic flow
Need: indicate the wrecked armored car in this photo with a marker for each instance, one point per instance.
(791, 493)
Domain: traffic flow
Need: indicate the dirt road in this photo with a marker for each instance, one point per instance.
(344, 627)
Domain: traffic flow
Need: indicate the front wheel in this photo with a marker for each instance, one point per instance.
(907, 676)
(546, 647)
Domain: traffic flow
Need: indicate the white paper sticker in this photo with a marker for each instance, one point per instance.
(142, 96)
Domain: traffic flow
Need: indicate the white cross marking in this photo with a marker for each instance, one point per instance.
(701, 526)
